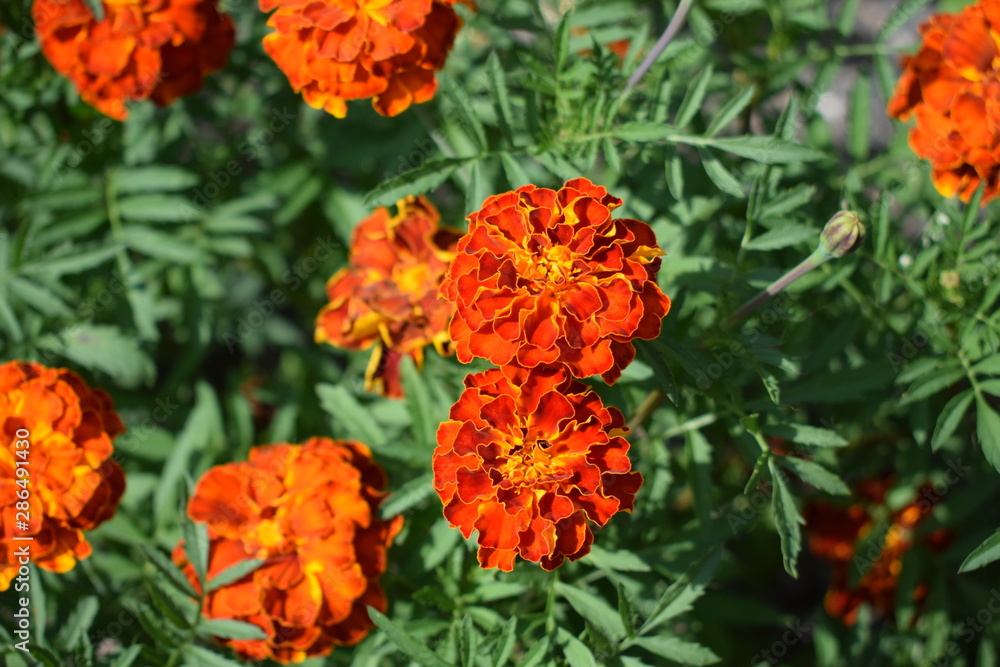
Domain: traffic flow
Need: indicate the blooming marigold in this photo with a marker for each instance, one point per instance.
(547, 277)
(387, 297)
(72, 484)
(311, 511)
(334, 51)
(142, 49)
(835, 534)
(528, 456)
(952, 88)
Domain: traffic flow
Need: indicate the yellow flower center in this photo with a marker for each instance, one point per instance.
(267, 536)
(553, 269)
(530, 463)
(377, 10)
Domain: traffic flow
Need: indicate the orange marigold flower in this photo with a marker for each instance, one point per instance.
(387, 297)
(311, 511)
(835, 533)
(72, 484)
(142, 49)
(547, 277)
(952, 88)
(334, 51)
(528, 456)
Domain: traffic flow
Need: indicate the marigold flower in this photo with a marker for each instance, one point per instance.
(835, 533)
(387, 297)
(311, 511)
(334, 51)
(72, 485)
(528, 456)
(142, 49)
(952, 87)
(547, 277)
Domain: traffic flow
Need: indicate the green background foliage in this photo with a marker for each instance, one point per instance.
(178, 259)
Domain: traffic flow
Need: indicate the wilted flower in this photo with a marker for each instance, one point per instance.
(142, 49)
(334, 51)
(837, 533)
(71, 485)
(388, 295)
(311, 511)
(529, 456)
(952, 88)
(547, 277)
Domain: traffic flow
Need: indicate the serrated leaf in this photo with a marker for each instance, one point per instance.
(497, 81)
(765, 150)
(805, 435)
(721, 176)
(984, 554)
(516, 175)
(348, 414)
(404, 641)
(989, 431)
(931, 384)
(38, 297)
(950, 418)
(159, 178)
(70, 264)
(78, 623)
(169, 570)
(595, 610)
(782, 237)
(860, 115)
(166, 606)
(788, 201)
(229, 628)
(675, 176)
(127, 656)
(161, 245)
(787, 520)
(815, 474)
(677, 650)
(575, 651)
(730, 110)
(104, 348)
(155, 208)
(988, 366)
(506, 642)
(561, 41)
(196, 544)
(202, 657)
(408, 496)
(680, 595)
(693, 98)
(233, 573)
(417, 181)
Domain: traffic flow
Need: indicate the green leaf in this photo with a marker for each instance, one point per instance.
(104, 348)
(931, 384)
(404, 641)
(595, 610)
(233, 573)
(38, 297)
(730, 110)
(416, 181)
(169, 570)
(643, 131)
(475, 191)
(676, 650)
(625, 612)
(782, 237)
(766, 150)
(468, 118)
(902, 14)
(154, 208)
(561, 41)
(815, 474)
(950, 418)
(408, 496)
(516, 175)
(347, 413)
(497, 82)
(693, 98)
(506, 642)
(984, 554)
(196, 544)
(205, 658)
(805, 435)
(228, 628)
(988, 431)
(860, 115)
(988, 366)
(161, 245)
(154, 179)
(721, 176)
(167, 607)
(680, 595)
(675, 176)
(787, 520)
(78, 623)
(616, 561)
(127, 656)
(576, 652)
(96, 8)
(788, 201)
(71, 264)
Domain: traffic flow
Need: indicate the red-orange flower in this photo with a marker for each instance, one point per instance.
(528, 456)
(142, 49)
(952, 88)
(311, 511)
(58, 430)
(334, 51)
(547, 277)
(835, 533)
(387, 297)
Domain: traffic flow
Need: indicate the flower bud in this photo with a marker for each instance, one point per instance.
(842, 235)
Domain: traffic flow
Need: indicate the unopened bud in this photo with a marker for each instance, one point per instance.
(842, 235)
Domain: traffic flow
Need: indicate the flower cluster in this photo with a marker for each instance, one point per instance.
(73, 484)
(141, 49)
(836, 533)
(547, 277)
(528, 456)
(387, 297)
(334, 51)
(311, 511)
(547, 286)
(952, 88)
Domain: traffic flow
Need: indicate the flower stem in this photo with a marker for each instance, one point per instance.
(804, 267)
(676, 22)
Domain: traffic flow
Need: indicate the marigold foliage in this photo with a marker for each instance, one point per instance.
(142, 49)
(387, 297)
(528, 457)
(311, 511)
(952, 88)
(73, 484)
(334, 51)
(548, 277)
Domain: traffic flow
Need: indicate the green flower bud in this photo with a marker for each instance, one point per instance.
(842, 235)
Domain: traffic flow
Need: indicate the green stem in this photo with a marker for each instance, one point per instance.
(676, 22)
(807, 265)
